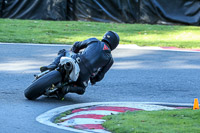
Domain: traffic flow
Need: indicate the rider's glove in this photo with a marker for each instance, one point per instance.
(96, 78)
(75, 47)
(92, 80)
(62, 51)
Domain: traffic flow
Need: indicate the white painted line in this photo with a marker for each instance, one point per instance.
(97, 112)
(78, 121)
(99, 131)
(134, 46)
(34, 44)
(143, 106)
(122, 46)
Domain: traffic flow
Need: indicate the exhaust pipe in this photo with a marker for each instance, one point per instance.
(68, 66)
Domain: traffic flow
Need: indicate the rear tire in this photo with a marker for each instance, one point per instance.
(38, 87)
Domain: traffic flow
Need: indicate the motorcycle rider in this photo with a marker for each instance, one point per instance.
(96, 57)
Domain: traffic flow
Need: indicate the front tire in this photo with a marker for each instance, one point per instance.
(38, 87)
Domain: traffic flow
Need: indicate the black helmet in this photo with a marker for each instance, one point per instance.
(112, 38)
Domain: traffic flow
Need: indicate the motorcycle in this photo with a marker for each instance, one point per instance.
(51, 82)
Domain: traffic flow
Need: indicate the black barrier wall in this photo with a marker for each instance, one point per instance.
(174, 11)
(34, 9)
(122, 11)
(107, 10)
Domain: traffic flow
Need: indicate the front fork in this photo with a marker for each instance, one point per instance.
(37, 76)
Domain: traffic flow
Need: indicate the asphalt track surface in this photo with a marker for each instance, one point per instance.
(138, 75)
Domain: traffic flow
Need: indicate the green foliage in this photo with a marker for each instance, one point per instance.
(67, 32)
(164, 121)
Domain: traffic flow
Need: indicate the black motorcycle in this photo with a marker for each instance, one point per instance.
(51, 82)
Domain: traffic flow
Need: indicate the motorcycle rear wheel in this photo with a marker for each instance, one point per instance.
(38, 87)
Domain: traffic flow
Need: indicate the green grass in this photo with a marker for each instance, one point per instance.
(164, 121)
(67, 32)
(58, 118)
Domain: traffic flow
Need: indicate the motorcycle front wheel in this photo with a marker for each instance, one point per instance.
(38, 87)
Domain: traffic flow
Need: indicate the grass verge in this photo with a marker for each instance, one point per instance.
(58, 118)
(164, 121)
(67, 32)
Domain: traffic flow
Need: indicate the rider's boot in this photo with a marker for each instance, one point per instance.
(61, 93)
(70, 88)
(55, 63)
(76, 89)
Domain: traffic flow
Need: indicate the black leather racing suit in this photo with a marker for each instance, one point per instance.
(95, 57)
